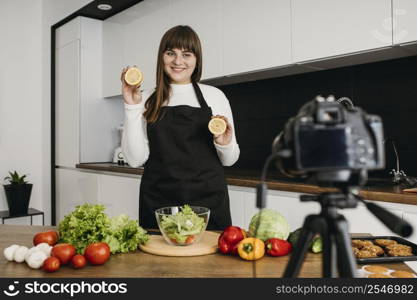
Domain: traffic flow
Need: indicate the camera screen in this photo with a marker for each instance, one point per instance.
(323, 148)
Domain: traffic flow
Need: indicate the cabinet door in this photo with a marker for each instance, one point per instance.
(120, 195)
(74, 188)
(206, 21)
(237, 206)
(67, 104)
(325, 28)
(113, 62)
(411, 217)
(256, 35)
(404, 14)
(143, 27)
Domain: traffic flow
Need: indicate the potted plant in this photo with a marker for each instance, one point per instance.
(18, 193)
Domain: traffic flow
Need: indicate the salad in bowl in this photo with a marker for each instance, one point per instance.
(182, 225)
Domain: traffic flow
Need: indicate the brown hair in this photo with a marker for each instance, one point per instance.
(181, 37)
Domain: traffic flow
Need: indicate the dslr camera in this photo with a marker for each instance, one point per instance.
(329, 137)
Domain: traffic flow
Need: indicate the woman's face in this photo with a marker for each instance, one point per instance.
(179, 65)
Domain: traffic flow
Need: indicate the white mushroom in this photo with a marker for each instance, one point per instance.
(9, 252)
(45, 248)
(36, 259)
(29, 253)
(19, 254)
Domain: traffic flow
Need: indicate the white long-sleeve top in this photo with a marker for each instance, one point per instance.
(135, 144)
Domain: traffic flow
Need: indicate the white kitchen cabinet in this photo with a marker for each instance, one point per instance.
(237, 206)
(207, 22)
(143, 27)
(119, 194)
(68, 33)
(85, 122)
(74, 188)
(256, 35)
(67, 104)
(404, 14)
(113, 60)
(326, 28)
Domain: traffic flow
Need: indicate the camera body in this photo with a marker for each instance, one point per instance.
(327, 136)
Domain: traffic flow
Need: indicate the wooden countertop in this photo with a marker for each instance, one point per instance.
(140, 264)
(378, 190)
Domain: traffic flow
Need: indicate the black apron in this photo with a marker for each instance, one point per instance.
(183, 166)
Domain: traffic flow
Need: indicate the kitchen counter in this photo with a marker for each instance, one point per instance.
(378, 190)
(140, 264)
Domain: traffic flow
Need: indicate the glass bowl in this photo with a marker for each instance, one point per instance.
(182, 225)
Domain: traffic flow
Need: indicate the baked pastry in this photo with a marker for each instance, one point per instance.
(366, 254)
(402, 274)
(399, 252)
(399, 246)
(374, 248)
(376, 269)
(378, 275)
(361, 243)
(385, 242)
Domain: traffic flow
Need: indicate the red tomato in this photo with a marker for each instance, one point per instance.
(97, 253)
(78, 261)
(51, 264)
(64, 252)
(190, 239)
(50, 237)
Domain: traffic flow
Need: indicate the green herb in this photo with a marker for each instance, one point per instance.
(15, 178)
(183, 224)
(89, 224)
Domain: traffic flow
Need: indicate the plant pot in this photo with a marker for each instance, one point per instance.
(18, 197)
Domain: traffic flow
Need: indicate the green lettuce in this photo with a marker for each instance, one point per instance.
(183, 224)
(267, 224)
(89, 224)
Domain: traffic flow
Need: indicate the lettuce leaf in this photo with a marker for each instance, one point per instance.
(89, 224)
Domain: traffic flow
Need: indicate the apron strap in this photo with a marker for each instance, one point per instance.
(200, 97)
(199, 94)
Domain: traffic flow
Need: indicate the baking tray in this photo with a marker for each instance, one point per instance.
(386, 258)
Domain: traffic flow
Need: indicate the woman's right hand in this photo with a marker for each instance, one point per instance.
(131, 93)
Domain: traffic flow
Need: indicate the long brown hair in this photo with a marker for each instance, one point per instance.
(182, 37)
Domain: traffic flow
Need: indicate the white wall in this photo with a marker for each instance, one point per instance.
(25, 93)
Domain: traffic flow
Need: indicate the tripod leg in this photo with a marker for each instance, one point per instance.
(329, 256)
(346, 260)
(301, 247)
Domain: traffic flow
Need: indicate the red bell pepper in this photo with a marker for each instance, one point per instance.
(230, 238)
(278, 247)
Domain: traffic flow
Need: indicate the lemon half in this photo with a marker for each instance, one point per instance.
(217, 126)
(133, 76)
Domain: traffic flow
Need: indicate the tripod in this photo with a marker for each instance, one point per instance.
(338, 259)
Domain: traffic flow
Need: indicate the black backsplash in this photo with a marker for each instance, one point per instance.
(388, 89)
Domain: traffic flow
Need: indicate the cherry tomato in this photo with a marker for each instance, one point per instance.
(97, 253)
(78, 261)
(190, 239)
(64, 252)
(50, 237)
(51, 264)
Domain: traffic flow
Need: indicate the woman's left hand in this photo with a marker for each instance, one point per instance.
(225, 138)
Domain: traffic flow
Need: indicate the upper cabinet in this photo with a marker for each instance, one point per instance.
(256, 35)
(325, 28)
(404, 14)
(143, 26)
(205, 18)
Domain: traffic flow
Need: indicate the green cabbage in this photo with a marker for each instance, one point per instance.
(89, 224)
(271, 224)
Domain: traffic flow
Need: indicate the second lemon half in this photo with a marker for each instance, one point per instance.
(217, 126)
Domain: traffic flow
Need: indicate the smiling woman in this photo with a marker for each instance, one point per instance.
(167, 128)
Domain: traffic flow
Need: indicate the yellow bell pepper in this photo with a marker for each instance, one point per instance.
(251, 248)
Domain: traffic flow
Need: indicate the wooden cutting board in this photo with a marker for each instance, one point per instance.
(158, 246)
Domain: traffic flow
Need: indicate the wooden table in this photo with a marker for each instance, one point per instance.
(140, 264)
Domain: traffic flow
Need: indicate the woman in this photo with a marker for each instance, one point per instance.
(167, 131)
